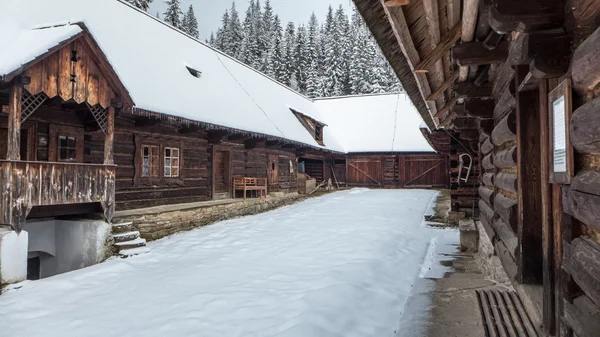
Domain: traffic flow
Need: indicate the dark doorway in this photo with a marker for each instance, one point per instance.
(33, 268)
(221, 174)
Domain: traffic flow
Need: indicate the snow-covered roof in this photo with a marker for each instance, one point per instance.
(150, 59)
(28, 44)
(375, 123)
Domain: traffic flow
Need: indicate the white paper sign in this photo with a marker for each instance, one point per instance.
(560, 140)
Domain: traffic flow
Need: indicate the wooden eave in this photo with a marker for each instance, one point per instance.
(209, 126)
(378, 21)
(98, 57)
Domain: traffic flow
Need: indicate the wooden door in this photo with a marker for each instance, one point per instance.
(423, 171)
(273, 171)
(365, 171)
(221, 174)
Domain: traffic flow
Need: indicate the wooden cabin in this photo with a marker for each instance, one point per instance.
(517, 83)
(383, 143)
(87, 130)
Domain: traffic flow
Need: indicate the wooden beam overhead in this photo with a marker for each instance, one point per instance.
(446, 107)
(492, 40)
(525, 16)
(470, 90)
(480, 108)
(448, 41)
(402, 34)
(469, 23)
(432, 14)
(475, 54)
(448, 119)
(396, 3)
(447, 84)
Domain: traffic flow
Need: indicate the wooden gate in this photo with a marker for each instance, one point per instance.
(364, 171)
(422, 171)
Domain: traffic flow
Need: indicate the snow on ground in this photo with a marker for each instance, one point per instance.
(340, 265)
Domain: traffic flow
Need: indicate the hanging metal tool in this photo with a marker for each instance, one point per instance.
(462, 167)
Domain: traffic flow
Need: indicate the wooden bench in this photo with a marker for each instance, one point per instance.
(250, 184)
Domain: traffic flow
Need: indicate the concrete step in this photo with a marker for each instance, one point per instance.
(123, 227)
(134, 251)
(130, 244)
(127, 236)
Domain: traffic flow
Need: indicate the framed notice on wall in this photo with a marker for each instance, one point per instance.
(560, 109)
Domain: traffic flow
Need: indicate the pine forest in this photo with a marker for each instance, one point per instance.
(335, 57)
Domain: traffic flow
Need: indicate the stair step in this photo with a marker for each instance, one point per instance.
(134, 251)
(123, 227)
(127, 236)
(131, 243)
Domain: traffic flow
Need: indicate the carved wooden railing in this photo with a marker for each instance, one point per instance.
(25, 184)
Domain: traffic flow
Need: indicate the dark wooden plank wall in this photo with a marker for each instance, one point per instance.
(195, 183)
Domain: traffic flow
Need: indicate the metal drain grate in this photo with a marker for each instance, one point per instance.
(503, 314)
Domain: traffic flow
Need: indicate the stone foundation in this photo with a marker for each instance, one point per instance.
(158, 225)
(489, 262)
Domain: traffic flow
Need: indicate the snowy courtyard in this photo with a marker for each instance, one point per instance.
(342, 264)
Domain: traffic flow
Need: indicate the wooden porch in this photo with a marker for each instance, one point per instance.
(53, 183)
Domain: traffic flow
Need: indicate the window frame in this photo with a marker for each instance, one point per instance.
(69, 149)
(152, 167)
(171, 158)
(161, 142)
(55, 131)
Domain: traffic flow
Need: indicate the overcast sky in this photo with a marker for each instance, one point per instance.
(209, 12)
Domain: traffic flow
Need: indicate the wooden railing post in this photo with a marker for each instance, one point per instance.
(110, 135)
(14, 122)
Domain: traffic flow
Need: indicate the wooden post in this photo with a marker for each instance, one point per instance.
(563, 281)
(14, 122)
(529, 260)
(110, 136)
(547, 225)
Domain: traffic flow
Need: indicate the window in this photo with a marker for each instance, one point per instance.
(67, 148)
(149, 161)
(194, 72)
(314, 127)
(171, 162)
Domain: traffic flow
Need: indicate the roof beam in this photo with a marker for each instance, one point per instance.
(447, 84)
(448, 119)
(396, 3)
(446, 107)
(448, 41)
(475, 53)
(402, 34)
(430, 7)
(470, 90)
(469, 22)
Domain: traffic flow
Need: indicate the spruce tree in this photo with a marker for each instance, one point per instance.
(173, 14)
(234, 33)
(289, 62)
(221, 38)
(211, 40)
(275, 65)
(301, 58)
(190, 24)
(141, 4)
(248, 50)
